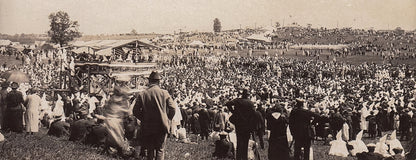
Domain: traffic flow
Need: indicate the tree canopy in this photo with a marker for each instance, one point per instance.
(217, 25)
(63, 29)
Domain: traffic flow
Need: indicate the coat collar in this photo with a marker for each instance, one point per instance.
(153, 85)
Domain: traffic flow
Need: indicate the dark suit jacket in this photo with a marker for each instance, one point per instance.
(299, 123)
(243, 114)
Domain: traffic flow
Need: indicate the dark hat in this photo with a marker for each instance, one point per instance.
(299, 102)
(14, 85)
(245, 92)
(154, 75)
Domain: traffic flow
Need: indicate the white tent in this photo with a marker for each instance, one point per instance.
(83, 50)
(167, 37)
(258, 37)
(5, 42)
(105, 52)
(196, 44)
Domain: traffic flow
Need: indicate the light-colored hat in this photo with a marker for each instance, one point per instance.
(223, 133)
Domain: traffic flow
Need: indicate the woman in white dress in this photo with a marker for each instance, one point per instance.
(32, 112)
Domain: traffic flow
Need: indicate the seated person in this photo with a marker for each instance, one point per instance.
(59, 128)
(223, 148)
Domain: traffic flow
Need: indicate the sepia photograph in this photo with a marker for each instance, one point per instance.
(208, 79)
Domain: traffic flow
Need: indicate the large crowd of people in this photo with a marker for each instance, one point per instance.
(235, 100)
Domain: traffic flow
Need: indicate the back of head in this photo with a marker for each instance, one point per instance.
(245, 93)
(154, 77)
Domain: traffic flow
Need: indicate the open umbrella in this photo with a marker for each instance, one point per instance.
(16, 76)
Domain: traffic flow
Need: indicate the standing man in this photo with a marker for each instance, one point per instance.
(405, 124)
(413, 122)
(299, 124)
(260, 128)
(243, 117)
(14, 111)
(3, 95)
(204, 121)
(154, 108)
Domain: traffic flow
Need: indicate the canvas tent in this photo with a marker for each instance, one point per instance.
(109, 47)
(196, 44)
(259, 38)
(5, 42)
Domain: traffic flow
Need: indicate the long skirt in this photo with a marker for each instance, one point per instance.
(32, 121)
(279, 149)
(116, 133)
(14, 120)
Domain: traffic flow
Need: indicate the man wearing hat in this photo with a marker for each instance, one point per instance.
(14, 111)
(154, 108)
(3, 95)
(243, 117)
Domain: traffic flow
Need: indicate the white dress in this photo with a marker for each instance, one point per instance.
(32, 113)
(364, 114)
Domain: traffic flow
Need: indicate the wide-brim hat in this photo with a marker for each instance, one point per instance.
(223, 133)
(371, 145)
(154, 75)
(121, 91)
(14, 85)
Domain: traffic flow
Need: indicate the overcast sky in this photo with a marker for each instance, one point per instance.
(166, 16)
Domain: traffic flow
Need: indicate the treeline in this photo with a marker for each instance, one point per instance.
(31, 38)
(25, 38)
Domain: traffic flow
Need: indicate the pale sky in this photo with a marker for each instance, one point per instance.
(166, 16)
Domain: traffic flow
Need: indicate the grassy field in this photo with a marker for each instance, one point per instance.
(42, 146)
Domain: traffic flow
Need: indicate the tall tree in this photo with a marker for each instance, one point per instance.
(63, 29)
(217, 25)
(277, 24)
(133, 32)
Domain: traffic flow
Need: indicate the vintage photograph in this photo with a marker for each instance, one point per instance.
(208, 79)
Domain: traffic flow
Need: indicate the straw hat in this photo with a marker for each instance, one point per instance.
(223, 133)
